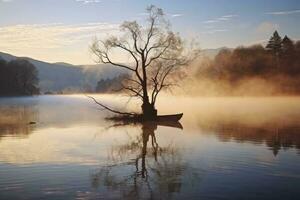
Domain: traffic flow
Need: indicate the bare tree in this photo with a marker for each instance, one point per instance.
(155, 55)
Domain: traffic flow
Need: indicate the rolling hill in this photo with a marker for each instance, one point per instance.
(57, 77)
(63, 76)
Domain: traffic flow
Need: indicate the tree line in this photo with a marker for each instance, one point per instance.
(279, 59)
(111, 85)
(18, 77)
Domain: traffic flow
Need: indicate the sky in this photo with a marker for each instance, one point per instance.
(62, 30)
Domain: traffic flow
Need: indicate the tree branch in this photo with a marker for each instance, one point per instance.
(158, 55)
(110, 109)
(150, 33)
(137, 92)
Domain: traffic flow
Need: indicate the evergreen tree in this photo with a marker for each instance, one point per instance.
(288, 46)
(275, 44)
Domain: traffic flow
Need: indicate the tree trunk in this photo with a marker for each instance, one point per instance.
(149, 111)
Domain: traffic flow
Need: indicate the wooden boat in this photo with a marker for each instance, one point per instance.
(164, 120)
(171, 124)
(169, 118)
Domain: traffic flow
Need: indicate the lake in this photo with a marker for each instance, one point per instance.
(224, 148)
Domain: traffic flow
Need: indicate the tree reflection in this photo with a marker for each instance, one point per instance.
(143, 169)
(14, 120)
(275, 136)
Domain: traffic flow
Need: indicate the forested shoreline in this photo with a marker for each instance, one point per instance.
(273, 69)
(18, 78)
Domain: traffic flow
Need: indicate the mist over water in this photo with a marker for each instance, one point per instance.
(247, 71)
(227, 144)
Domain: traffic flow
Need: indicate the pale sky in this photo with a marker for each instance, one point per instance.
(61, 30)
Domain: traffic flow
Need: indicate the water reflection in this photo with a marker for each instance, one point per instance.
(225, 149)
(15, 120)
(277, 136)
(142, 168)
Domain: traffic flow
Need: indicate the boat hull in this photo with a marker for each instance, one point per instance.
(169, 118)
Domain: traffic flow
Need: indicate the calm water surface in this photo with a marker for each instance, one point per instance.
(224, 148)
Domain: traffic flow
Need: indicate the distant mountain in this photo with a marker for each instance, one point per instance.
(64, 76)
(64, 64)
(6, 56)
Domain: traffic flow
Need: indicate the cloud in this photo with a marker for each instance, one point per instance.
(167, 14)
(212, 26)
(50, 36)
(89, 1)
(214, 31)
(287, 12)
(220, 19)
(54, 42)
(176, 15)
(267, 27)
(210, 21)
(81, 1)
(230, 16)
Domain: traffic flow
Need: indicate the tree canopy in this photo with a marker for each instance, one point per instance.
(155, 56)
(18, 77)
(275, 44)
(278, 64)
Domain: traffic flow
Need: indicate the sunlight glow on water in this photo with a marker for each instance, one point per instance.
(229, 148)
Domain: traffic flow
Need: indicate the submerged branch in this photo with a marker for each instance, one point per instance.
(110, 109)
